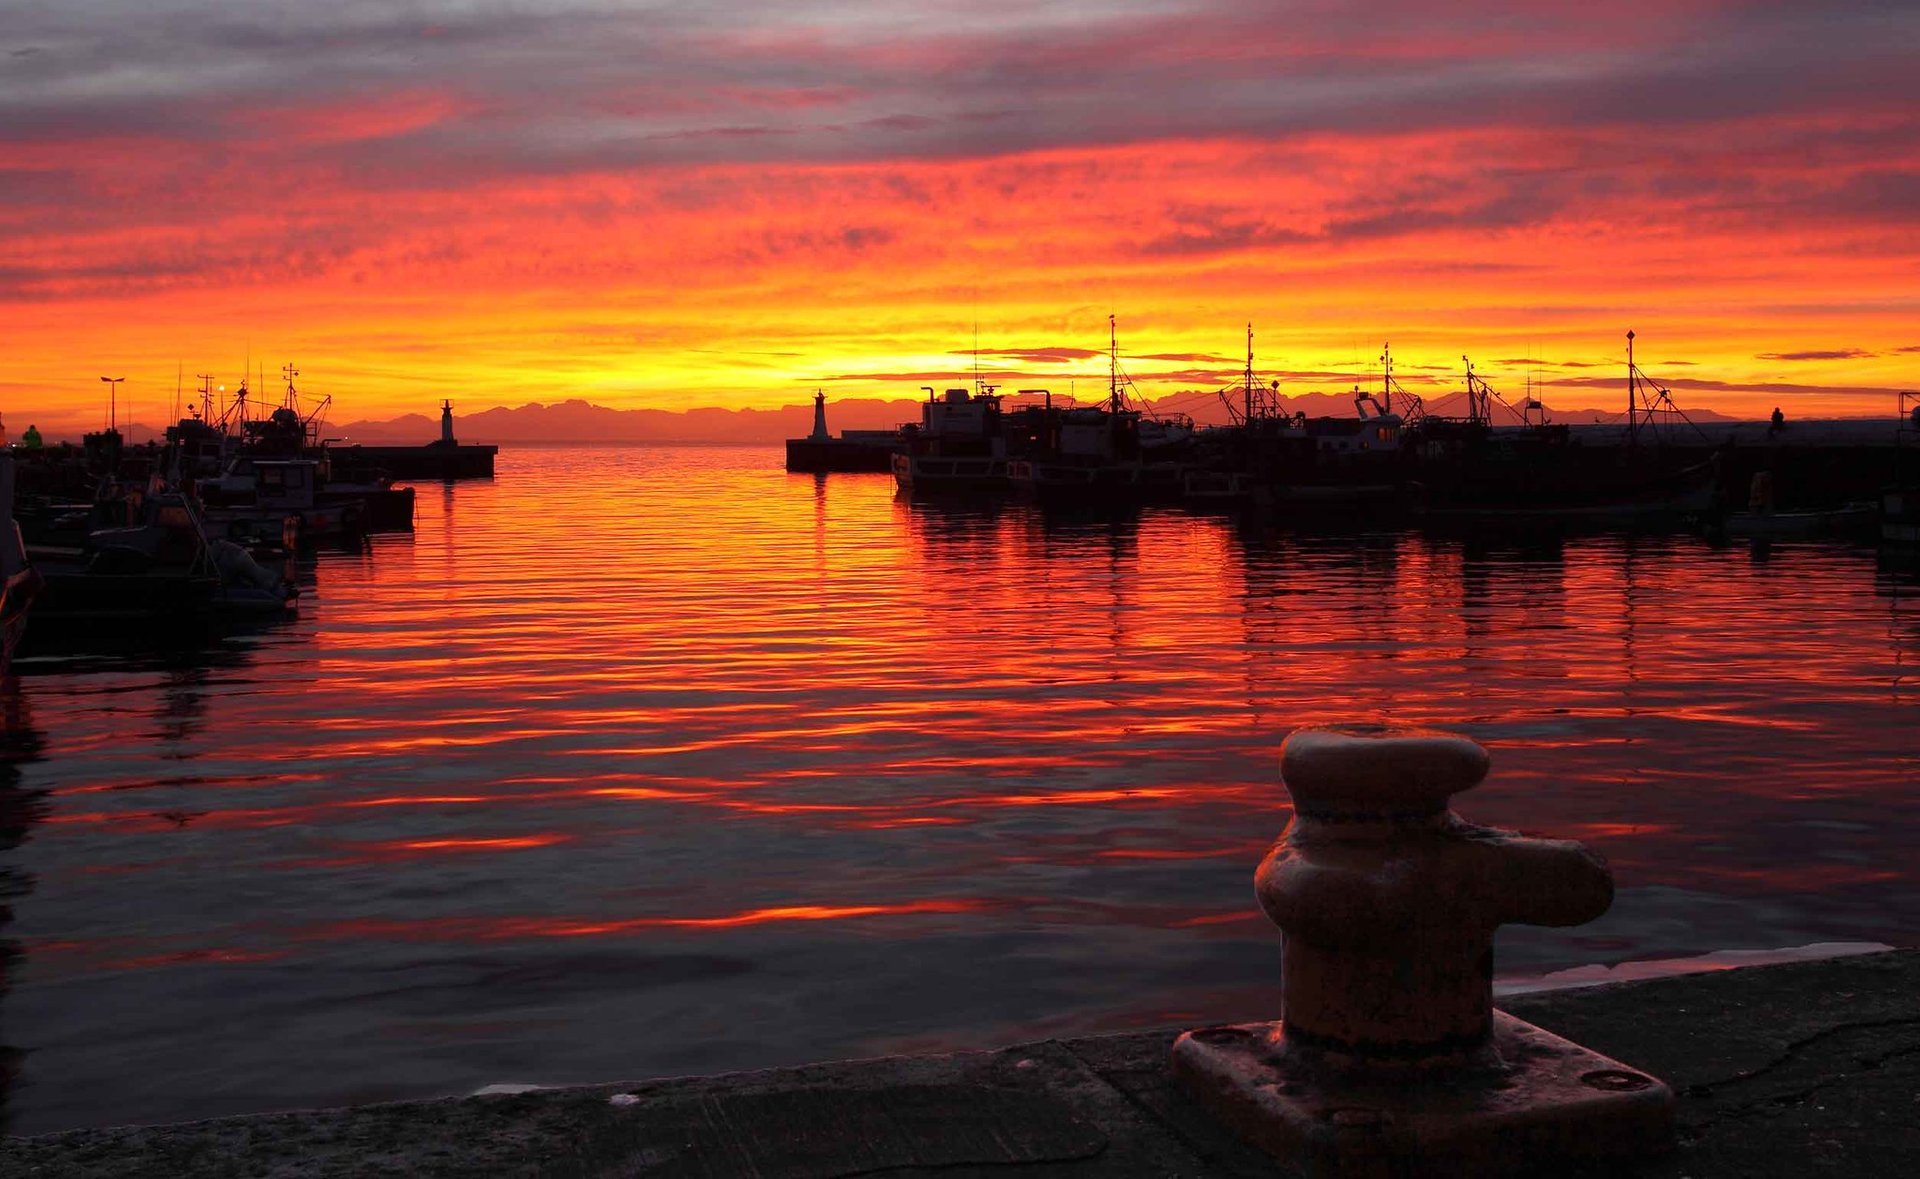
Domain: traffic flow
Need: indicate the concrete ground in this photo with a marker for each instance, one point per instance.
(1811, 1068)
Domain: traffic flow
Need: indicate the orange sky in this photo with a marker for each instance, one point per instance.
(685, 206)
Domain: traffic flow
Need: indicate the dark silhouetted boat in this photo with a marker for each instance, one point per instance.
(160, 569)
(1099, 454)
(1465, 469)
(959, 444)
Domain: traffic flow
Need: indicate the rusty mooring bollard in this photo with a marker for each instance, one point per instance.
(1390, 1058)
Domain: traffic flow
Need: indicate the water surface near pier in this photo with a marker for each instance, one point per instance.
(648, 761)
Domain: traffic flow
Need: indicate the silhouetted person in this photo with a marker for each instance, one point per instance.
(1779, 421)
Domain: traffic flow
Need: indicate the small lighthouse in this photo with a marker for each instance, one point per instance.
(446, 424)
(819, 416)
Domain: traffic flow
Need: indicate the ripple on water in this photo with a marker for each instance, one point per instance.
(649, 761)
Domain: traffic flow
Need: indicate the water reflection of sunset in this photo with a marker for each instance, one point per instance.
(670, 732)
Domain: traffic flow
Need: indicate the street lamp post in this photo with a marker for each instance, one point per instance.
(113, 402)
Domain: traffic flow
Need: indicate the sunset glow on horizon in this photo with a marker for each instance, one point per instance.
(677, 205)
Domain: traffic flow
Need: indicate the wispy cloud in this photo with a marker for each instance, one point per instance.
(1819, 354)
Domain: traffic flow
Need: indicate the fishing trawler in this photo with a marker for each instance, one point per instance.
(272, 476)
(1467, 470)
(157, 566)
(959, 444)
(1270, 457)
(1100, 453)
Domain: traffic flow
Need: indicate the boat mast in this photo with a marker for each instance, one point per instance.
(1386, 377)
(1633, 397)
(1249, 384)
(1113, 367)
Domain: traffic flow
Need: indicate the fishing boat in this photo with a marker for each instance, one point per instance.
(1100, 453)
(160, 568)
(1083, 452)
(258, 497)
(1332, 462)
(1270, 457)
(1848, 520)
(1466, 469)
(959, 444)
(273, 476)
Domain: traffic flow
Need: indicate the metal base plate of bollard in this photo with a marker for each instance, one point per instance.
(1391, 1059)
(1538, 1099)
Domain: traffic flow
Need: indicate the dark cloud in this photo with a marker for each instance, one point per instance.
(1222, 237)
(565, 85)
(1708, 386)
(1828, 354)
(1041, 355)
(1527, 202)
(175, 112)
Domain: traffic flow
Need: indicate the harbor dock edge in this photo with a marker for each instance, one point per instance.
(1786, 1069)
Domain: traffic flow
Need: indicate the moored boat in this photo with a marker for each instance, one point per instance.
(1467, 470)
(959, 444)
(1848, 520)
(1099, 454)
(161, 569)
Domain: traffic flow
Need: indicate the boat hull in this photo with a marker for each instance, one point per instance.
(935, 474)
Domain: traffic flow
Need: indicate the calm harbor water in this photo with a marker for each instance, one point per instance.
(648, 761)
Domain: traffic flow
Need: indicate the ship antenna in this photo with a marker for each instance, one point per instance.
(976, 354)
(1249, 388)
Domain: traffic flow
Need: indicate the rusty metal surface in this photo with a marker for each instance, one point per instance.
(1390, 1057)
(1537, 1100)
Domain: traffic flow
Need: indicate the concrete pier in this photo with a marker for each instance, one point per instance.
(1789, 1070)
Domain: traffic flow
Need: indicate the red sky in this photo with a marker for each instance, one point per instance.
(664, 205)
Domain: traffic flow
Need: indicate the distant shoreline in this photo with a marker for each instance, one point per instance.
(140, 435)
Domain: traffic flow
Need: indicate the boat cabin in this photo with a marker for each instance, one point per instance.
(280, 484)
